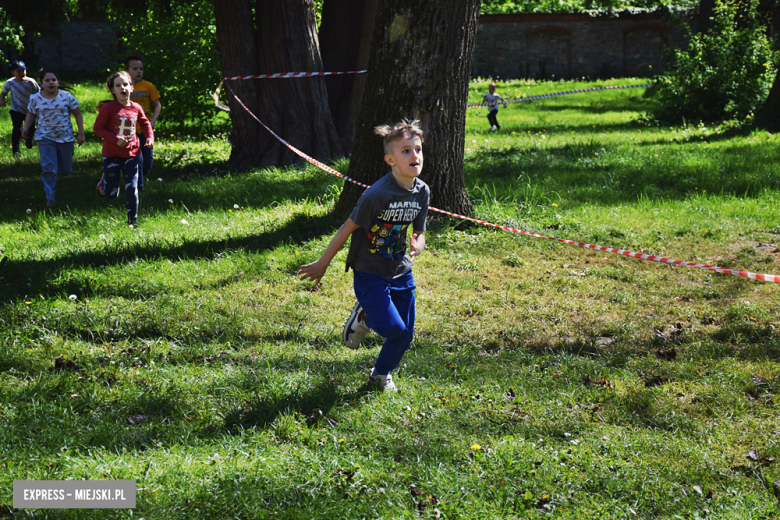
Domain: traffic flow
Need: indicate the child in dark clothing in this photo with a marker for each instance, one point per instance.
(21, 88)
(378, 225)
(491, 99)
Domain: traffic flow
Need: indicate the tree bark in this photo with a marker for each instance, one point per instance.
(706, 13)
(419, 68)
(280, 36)
(768, 116)
(345, 42)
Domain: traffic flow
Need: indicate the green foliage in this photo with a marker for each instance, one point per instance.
(574, 6)
(725, 74)
(180, 55)
(10, 34)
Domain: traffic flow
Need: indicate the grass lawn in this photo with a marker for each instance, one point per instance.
(545, 380)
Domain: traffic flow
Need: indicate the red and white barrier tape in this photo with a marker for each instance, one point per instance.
(641, 256)
(554, 94)
(297, 74)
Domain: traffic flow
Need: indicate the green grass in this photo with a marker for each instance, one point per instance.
(532, 389)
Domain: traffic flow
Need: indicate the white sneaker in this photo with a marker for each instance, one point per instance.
(386, 382)
(355, 329)
(492, 128)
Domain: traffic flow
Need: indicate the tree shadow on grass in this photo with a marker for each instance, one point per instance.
(192, 187)
(142, 414)
(572, 167)
(298, 230)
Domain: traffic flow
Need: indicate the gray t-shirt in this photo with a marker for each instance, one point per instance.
(384, 212)
(20, 93)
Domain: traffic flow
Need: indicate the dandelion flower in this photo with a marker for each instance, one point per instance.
(184, 221)
(230, 211)
(554, 204)
(102, 236)
(341, 440)
(235, 206)
(476, 447)
(29, 211)
(170, 201)
(159, 179)
(73, 297)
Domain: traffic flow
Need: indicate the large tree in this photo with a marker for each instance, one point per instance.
(345, 42)
(419, 68)
(266, 36)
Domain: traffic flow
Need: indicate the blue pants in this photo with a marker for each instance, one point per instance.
(146, 159)
(56, 158)
(128, 167)
(389, 308)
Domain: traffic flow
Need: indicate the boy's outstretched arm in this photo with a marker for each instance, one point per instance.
(316, 270)
(417, 243)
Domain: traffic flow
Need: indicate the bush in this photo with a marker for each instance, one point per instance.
(179, 49)
(726, 73)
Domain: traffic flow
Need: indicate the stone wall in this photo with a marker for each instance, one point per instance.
(572, 45)
(79, 46)
(507, 46)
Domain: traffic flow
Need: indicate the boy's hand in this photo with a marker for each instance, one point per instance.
(417, 243)
(149, 143)
(314, 272)
(120, 141)
(25, 131)
(80, 138)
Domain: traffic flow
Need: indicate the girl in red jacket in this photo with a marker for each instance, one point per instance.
(116, 124)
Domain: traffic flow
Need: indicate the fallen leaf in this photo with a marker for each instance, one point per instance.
(344, 473)
(136, 419)
(601, 382)
(64, 364)
(667, 355)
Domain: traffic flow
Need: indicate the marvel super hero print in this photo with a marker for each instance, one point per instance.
(387, 234)
(387, 239)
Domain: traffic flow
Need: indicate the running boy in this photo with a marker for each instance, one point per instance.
(21, 88)
(147, 96)
(383, 280)
(491, 99)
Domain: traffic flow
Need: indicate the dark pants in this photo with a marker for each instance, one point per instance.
(17, 123)
(146, 158)
(116, 168)
(492, 118)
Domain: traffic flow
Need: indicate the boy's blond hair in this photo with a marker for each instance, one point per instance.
(399, 131)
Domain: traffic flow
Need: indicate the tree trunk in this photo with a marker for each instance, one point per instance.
(419, 68)
(768, 116)
(279, 37)
(706, 13)
(345, 42)
(236, 41)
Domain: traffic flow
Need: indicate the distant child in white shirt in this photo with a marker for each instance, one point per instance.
(491, 99)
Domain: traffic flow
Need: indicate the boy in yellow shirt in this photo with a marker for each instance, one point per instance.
(146, 95)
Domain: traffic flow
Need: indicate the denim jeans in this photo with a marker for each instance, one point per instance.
(389, 308)
(56, 158)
